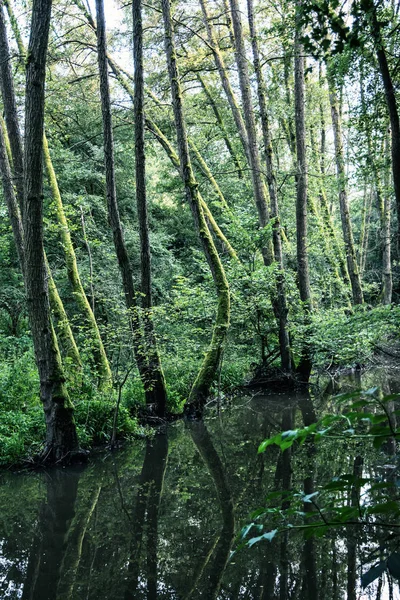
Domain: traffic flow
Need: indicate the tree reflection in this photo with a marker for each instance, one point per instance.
(145, 518)
(220, 556)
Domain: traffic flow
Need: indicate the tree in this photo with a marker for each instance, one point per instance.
(201, 387)
(61, 437)
(303, 272)
(157, 381)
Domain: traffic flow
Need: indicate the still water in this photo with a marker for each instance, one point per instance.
(159, 519)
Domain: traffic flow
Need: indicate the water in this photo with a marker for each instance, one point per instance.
(159, 519)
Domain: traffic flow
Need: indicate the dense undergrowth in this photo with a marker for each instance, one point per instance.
(339, 340)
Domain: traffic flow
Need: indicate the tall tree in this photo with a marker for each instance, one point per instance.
(391, 101)
(63, 327)
(343, 195)
(151, 374)
(61, 437)
(387, 282)
(155, 369)
(201, 387)
(259, 188)
(281, 300)
(101, 364)
(303, 272)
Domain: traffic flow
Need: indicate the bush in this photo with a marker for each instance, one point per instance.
(94, 420)
(21, 435)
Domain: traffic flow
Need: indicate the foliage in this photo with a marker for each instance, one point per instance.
(368, 416)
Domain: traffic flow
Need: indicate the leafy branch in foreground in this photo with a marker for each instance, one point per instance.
(348, 500)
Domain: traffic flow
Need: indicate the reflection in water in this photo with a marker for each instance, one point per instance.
(49, 542)
(204, 444)
(145, 516)
(158, 520)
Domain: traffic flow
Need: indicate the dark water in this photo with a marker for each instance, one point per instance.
(159, 519)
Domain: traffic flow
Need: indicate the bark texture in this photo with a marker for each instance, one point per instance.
(220, 64)
(213, 225)
(211, 362)
(386, 250)
(10, 110)
(281, 307)
(115, 221)
(61, 438)
(13, 142)
(259, 189)
(155, 369)
(343, 198)
(303, 272)
(101, 364)
(221, 124)
(391, 102)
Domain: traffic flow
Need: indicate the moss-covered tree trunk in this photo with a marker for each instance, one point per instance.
(10, 111)
(365, 228)
(281, 306)
(211, 362)
(157, 381)
(387, 281)
(63, 327)
(213, 225)
(332, 249)
(101, 365)
(155, 395)
(303, 272)
(223, 73)
(13, 140)
(61, 437)
(343, 197)
(221, 124)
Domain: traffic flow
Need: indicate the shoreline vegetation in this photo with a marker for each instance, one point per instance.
(22, 431)
(195, 198)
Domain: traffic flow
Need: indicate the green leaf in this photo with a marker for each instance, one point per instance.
(373, 574)
(245, 530)
(274, 440)
(266, 536)
(371, 391)
(393, 564)
(309, 496)
(384, 508)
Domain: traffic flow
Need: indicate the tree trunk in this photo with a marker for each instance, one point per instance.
(281, 308)
(386, 255)
(139, 345)
(221, 124)
(155, 368)
(201, 387)
(219, 61)
(365, 223)
(13, 140)
(259, 189)
(332, 249)
(101, 364)
(343, 199)
(10, 111)
(213, 226)
(61, 437)
(303, 273)
(391, 102)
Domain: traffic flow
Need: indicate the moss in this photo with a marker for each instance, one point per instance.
(99, 355)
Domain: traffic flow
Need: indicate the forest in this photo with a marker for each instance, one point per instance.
(199, 299)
